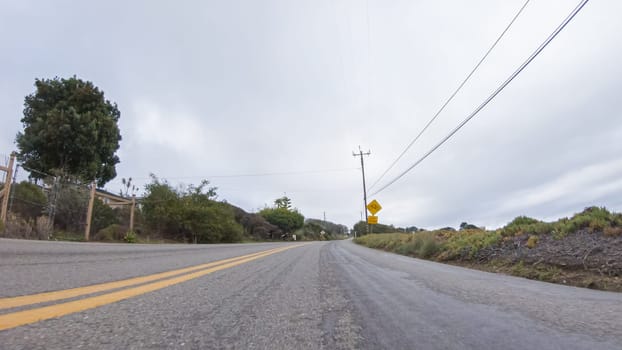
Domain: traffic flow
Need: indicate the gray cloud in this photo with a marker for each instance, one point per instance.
(248, 87)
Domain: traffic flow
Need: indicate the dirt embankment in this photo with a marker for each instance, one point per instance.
(593, 252)
(583, 259)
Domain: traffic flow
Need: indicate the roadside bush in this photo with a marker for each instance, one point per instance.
(310, 231)
(111, 233)
(429, 247)
(71, 208)
(60, 235)
(130, 237)
(286, 219)
(467, 243)
(422, 245)
(532, 241)
(103, 216)
(594, 219)
(613, 231)
(43, 226)
(16, 227)
(29, 201)
(526, 225)
(189, 214)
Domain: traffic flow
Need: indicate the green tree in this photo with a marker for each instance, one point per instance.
(189, 214)
(467, 226)
(283, 216)
(283, 202)
(71, 130)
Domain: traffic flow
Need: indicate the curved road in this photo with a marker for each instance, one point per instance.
(320, 295)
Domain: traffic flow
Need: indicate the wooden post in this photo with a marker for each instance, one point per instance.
(132, 212)
(89, 213)
(7, 188)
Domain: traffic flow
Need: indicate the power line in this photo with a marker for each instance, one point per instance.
(494, 94)
(301, 172)
(451, 97)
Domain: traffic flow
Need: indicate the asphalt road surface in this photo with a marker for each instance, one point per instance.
(320, 295)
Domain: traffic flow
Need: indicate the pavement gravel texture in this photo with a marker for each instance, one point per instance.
(323, 295)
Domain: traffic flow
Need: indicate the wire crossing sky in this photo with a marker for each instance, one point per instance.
(492, 96)
(451, 97)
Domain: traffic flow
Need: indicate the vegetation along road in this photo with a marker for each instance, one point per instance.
(332, 295)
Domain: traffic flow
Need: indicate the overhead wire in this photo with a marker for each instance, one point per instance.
(283, 173)
(552, 36)
(451, 97)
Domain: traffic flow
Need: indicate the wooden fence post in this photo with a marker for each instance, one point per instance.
(7, 188)
(89, 213)
(132, 212)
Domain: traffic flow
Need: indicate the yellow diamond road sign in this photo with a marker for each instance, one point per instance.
(374, 207)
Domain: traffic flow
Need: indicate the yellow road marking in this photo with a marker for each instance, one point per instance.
(11, 302)
(25, 317)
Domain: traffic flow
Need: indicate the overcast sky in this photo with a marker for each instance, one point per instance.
(213, 88)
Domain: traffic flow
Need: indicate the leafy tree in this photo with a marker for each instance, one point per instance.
(256, 225)
(161, 207)
(70, 129)
(467, 226)
(283, 202)
(128, 188)
(283, 216)
(71, 207)
(189, 213)
(328, 227)
(287, 220)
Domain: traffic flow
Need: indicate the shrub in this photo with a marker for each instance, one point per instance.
(16, 227)
(43, 226)
(29, 201)
(103, 216)
(612, 231)
(130, 237)
(429, 247)
(532, 241)
(286, 219)
(526, 225)
(468, 243)
(111, 233)
(71, 208)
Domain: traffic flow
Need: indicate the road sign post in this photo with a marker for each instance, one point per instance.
(374, 207)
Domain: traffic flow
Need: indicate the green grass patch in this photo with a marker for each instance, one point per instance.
(437, 245)
(593, 219)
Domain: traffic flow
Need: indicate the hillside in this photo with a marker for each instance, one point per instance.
(584, 250)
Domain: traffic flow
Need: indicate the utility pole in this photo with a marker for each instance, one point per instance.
(361, 154)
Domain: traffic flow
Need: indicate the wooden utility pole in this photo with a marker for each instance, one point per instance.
(132, 212)
(361, 154)
(6, 192)
(89, 213)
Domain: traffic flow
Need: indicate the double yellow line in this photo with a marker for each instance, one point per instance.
(141, 286)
